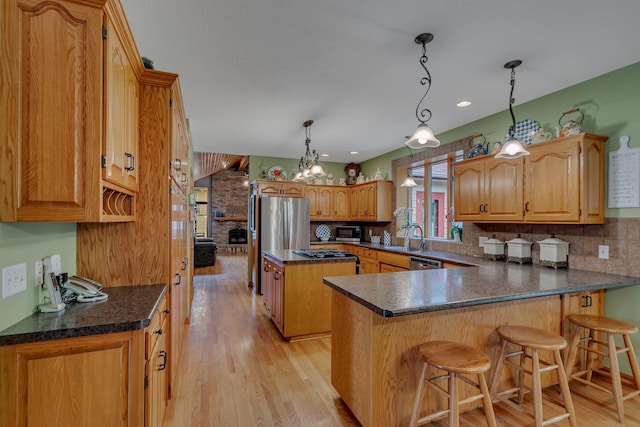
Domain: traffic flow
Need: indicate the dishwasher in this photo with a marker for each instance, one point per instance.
(416, 263)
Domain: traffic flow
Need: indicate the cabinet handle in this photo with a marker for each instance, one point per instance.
(588, 301)
(184, 178)
(184, 265)
(526, 207)
(177, 164)
(179, 279)
(132, 162)
(165, 311)
(159, 331)
(163, 365)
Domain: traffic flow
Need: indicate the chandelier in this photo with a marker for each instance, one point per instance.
(309, 165)
(423, 136)
(512, 148)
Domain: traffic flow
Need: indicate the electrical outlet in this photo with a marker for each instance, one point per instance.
(14, 279)
(56, 264)
(603, 251)
(481, 241)
(39, 273)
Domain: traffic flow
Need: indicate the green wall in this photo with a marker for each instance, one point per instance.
(29, 242)
(258, 164)
(610, 104)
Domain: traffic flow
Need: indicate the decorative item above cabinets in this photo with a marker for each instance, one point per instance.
(561, 182)
(69, 144)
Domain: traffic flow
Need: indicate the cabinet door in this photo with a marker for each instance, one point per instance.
(156, 393)
(388, 268)
(468, 183)
(341, 203)
(591, 303)
(369, 200)
(368, 266)
(292, 189)
(267, 286)
(51, 111)
(278, 299)
(503, 189)
(121, 114)
(354, 204)
(552, 183)
(179, 141)
(311, 193)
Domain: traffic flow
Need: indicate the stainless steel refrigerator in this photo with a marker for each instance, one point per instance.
(280, 223)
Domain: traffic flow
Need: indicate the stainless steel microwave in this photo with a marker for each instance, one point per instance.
(348, 233)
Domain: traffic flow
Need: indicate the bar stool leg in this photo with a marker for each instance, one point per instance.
(537, 388)
(633, 362)
(520, 383)
(419, 396)
(454, 409)
(487, 403)
(615, 377)
(573, 352)
(593, 348)
(496, 370)
(564, 388)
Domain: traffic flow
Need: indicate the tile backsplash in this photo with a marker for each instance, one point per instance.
(622, 235)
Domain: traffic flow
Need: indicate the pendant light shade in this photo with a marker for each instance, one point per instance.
(409, 182)
(512, 148)
(423, 136)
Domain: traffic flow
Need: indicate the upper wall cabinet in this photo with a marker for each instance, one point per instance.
(371, 201)
(278, 188)
(560, 181)
(69, 104)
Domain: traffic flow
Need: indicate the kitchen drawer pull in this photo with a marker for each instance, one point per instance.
(588, 301)
(178, 279)
(526, 207)
(159, 331)
(177, 164)
(132, 162)
(165, 311)
(163, 365)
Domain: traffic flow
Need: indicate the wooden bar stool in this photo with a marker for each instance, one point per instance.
(593, 346)
(459, 361)
(535, 340)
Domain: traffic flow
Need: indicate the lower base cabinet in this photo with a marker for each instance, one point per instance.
(587, 302)
(98, 380)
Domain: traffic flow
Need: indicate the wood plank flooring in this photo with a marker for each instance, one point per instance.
(236, 370)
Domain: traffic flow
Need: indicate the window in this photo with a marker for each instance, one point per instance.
(430, 202)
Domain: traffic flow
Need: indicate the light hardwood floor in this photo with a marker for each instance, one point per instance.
(236, 370)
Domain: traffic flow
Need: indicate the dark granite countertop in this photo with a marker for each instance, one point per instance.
(287, 256)
(128, 308)
(410, 292)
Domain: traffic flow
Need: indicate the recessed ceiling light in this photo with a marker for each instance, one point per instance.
(353, 152)
(324, 155)
(463, 104)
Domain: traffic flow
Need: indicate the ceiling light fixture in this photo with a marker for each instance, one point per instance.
(409, 181)
(423, 136)
(463, 104)
(512, 148)
(309, 165)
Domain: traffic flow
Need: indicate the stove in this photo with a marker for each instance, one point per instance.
(323, 253)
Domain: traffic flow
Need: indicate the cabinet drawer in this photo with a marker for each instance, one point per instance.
(364, 252)
(398, 260)
(156, 328)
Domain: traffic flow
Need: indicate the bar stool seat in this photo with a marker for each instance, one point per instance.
(594, 345)
(535, 340)
(459, 361)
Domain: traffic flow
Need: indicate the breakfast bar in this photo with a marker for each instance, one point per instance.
(379, 319)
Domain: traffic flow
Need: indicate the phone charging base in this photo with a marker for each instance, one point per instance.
(51, 308)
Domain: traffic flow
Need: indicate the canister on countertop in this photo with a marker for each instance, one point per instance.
(554, 252)
(519, 250)
(493, 249)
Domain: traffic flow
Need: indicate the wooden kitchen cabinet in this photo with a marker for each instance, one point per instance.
(279, 188)
(390, 262)
(179, 163)
(488, 190)
(155, 248)
(296, 299)
(371, 201)
(321, 201)
(121, 98)
(57, 113)
(85, 381)
(156, 394)
(341, 203)
(560, 181)
(368, 259)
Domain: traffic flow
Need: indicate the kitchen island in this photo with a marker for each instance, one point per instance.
(378, 320)
(293, 294)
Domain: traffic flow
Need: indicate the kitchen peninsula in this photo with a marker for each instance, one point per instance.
(378, 320)
(293, 294)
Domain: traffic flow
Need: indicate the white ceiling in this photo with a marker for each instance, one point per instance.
(252, 71)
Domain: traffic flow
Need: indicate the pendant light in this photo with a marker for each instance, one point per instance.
(309, 165)
(409, 181)
(423, 136)
(512, 148)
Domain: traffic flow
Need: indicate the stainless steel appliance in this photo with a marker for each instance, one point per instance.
(348, 233)
(329, 253)
(277, 223)
(416, 263)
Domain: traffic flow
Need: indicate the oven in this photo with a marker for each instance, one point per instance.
(416, 263)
